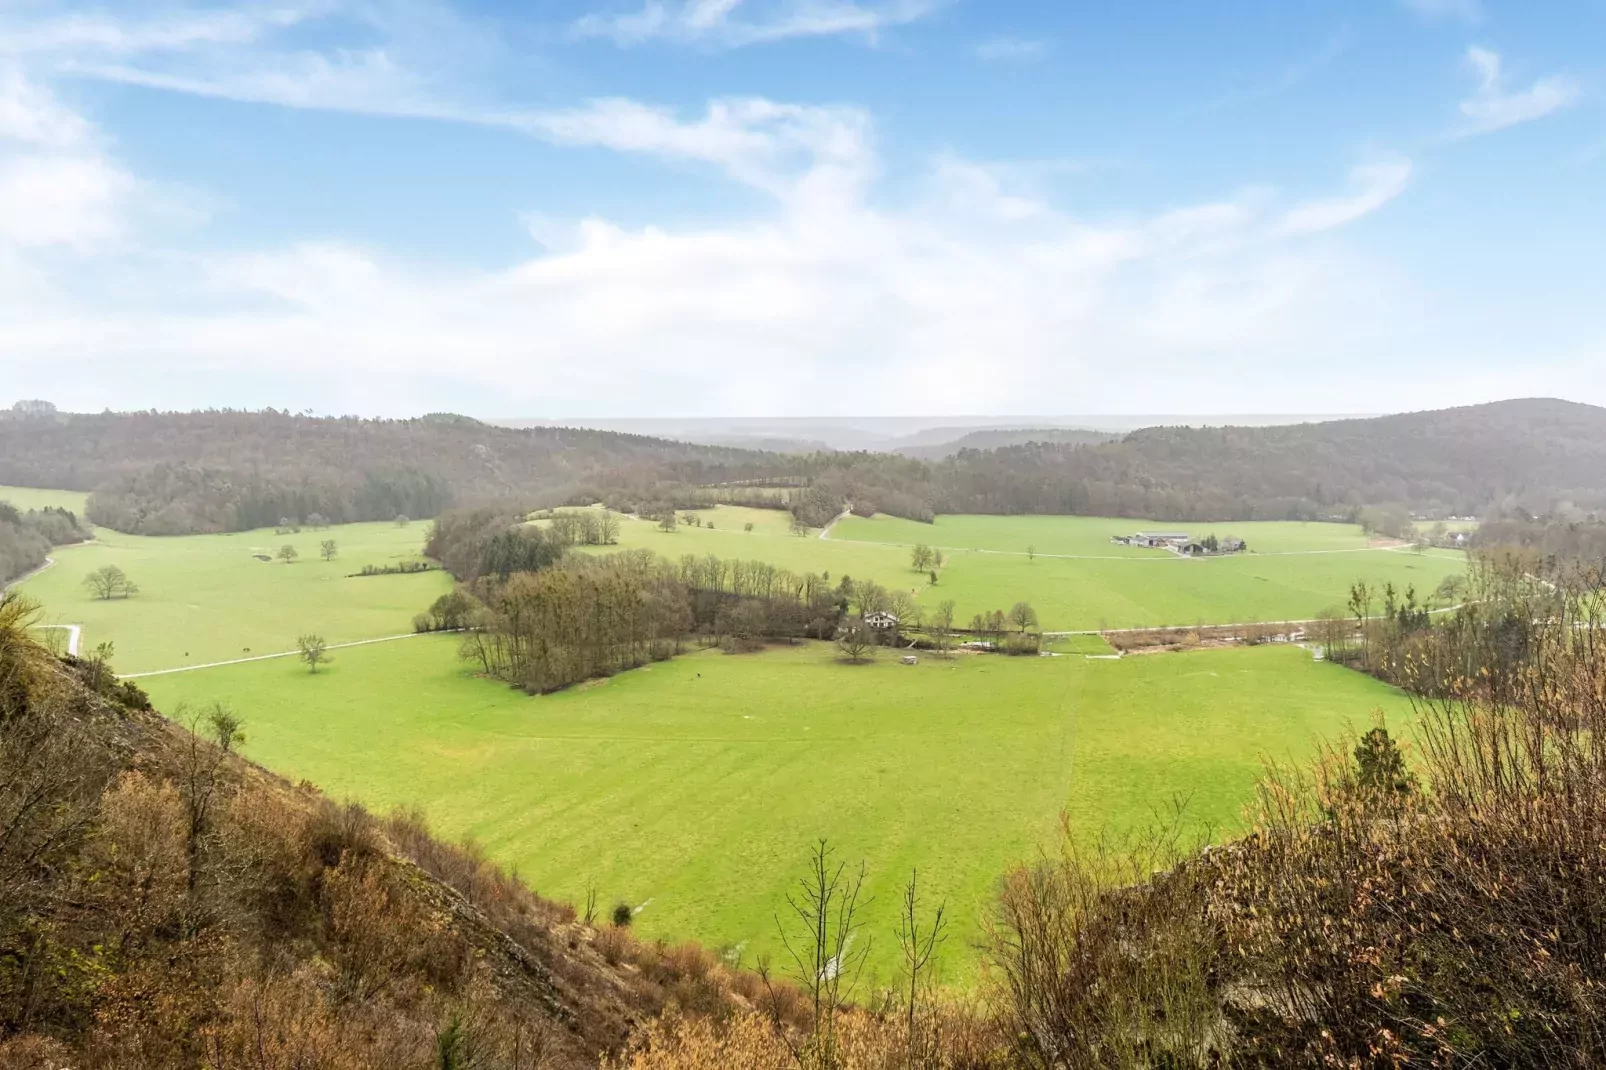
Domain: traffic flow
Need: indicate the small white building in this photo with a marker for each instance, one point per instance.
(882, 620)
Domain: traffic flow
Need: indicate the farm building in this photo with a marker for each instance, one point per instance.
(882, 621)
(1159, 540)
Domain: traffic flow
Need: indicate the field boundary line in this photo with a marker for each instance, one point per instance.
(269, 657)
(1233, 624)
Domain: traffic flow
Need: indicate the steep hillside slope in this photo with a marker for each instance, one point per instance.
(165, 904)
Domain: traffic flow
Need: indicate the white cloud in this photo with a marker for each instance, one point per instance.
(1492, 107)
(1011, 49)
(1373, 185)
(976, 296)
(105, 34)
(28, 113)
(719, 23)
(56, 186)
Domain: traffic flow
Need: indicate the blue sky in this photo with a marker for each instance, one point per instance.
(591, 208)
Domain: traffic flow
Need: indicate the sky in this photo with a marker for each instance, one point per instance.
(632, 208)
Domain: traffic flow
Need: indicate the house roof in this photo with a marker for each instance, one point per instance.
(1162, 534)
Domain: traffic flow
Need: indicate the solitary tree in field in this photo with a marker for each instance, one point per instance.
(667, 521)
(936, 558)
(608, 528)
(920, 558)
(747, 526)
(1031, 553)
(1023, 616)
(314, 651)
(288, 554)
(401, 520)
(856, 640)
(328, 549)
(108, 582)
(798, 526)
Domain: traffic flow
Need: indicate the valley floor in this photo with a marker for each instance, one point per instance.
(692, 789)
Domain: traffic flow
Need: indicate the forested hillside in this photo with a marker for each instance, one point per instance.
(1529, 454)
(996, 438)
(177, 473)
(26, 537)
(174, 473)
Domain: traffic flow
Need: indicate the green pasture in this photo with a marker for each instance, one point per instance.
(695, 787)
(1090, 535)
(207, 598)
(26, 498)
(1296, 570)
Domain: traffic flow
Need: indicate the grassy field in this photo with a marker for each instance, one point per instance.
(206, 598)
(26, 498)
(1089, 535)
(1296, 571)
(696, 786)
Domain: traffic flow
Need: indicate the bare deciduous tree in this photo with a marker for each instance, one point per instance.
(821, 936)
(288, 554)
(314, 651)
(108, 582)
(856, 640)
(328, 549)
(919, 946)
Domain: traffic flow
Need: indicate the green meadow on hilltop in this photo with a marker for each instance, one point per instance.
(207, 598)
(1295, 571)
(26, 498)
(694, 787)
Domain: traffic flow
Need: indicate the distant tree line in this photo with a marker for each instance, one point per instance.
(27, 537)
(164, 473)
(222, 470)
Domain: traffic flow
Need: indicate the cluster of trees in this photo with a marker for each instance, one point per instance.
(108, 582)
(471, 543)
(583, 617)
(1474, 631)
(584, 527)
(1565, 534)
(26, 537)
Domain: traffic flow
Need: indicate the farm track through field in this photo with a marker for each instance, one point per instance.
(269, 657)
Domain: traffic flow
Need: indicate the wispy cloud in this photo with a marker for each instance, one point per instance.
(1372, 186)
(1464, 10)
(1494, 107)
(739, 23)
(1270, 84)
(1011, 49)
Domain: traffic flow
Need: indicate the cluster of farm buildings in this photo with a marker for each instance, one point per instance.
(1180, 542)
